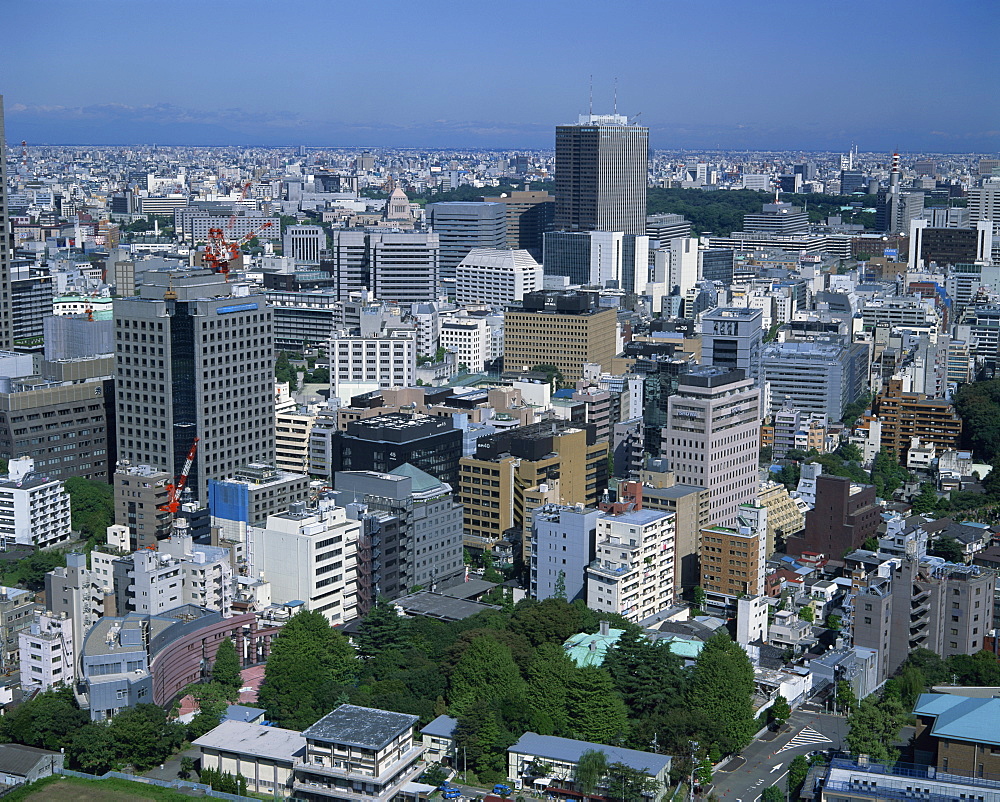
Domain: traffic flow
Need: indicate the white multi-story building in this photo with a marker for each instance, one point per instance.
(34, 510)
(469, 337)
(362, 363)
(633, 573)
(47, 655)
(496, 277)
(311, 555)
(304, 243)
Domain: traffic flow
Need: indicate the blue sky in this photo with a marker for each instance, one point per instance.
(733, 74)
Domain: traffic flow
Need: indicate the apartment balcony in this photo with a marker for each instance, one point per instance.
(365, 775)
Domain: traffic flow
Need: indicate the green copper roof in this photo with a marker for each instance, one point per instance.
(420, 482)
(590, 649)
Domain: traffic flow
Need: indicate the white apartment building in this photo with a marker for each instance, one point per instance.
(362, 363)
(311, 555)
(633, 573)
(178, 573)
(47, 656)
(496, 277)
(469, 337)
(34, 510)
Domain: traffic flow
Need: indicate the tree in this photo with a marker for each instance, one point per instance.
(772, 794)
(779, 711)
(628, 784)
(485, 672)
(846, 698)
(797, 771)
(722, 686)
(849, 452)
(926, 500)
(187, 766)
(92, 507)
(380, 631)
(226, 670)
(698, 596)
(284, 371)
(549, 674)
(212, 699)
(834, 622)
(807, 613)
(874, 726)
(947, 548)
(48, 721)
(309, 664)
(590, 770)
(560, 589)
(596, 712)
(92, 751)
(555, 375)
(703, 772)
(870, 544)
(435, 774)
(143, 737)
(887, 474)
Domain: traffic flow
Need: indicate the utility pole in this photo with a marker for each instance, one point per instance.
(694, 751)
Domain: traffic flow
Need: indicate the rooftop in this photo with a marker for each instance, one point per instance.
(570, 751)
(254, 739)
(961, 718)
(364, 727)
(590, 648)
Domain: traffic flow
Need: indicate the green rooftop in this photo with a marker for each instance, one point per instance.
(589, 649)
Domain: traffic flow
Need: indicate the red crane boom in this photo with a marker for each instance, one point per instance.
(174, 489)
(220, 250)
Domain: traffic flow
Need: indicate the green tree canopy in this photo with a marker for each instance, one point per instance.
(874, 726)
(226, 670)
(549, 675)
(596, 712)
(92, 508)
(309, 664)
(486, 672)
(722, 686)
(590, 770)
(380, 631)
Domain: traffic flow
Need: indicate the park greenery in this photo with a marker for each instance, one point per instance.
(504, 672)
(92, 506)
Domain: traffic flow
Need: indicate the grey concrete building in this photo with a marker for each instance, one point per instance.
(393, 266)
(462, 226)
(821, 376)
(562, 546)
(924, 603)
(423, 546)
(193, 360)
(6, 330)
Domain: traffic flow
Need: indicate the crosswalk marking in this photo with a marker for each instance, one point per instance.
(807, 736)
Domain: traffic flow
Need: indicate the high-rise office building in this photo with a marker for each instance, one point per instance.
(398, 267)
(6, 329)
(712, 437)
(193, 360)
(601, 169)
(460, 227)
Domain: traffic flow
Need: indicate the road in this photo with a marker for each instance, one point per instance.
(765, 762)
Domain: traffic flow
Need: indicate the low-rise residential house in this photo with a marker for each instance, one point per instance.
(439, 740)
(265, 755)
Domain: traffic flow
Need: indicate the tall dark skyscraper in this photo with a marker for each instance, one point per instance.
(601, 168)
(6, 326)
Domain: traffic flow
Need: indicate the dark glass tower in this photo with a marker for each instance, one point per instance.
(601, 171)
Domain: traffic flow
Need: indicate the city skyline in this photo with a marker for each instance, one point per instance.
(701, 75)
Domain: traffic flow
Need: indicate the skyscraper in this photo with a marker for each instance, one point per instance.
(712, 438)
(192, 361)
(6, 329)
(601, 169)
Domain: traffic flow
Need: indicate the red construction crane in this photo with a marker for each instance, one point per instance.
(174, 489)
(220, 250)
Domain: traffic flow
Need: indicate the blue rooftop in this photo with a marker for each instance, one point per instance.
(568, 750)
(640, 517)
(961, 718)
(441, 727)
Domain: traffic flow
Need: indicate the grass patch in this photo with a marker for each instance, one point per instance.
(59, 788)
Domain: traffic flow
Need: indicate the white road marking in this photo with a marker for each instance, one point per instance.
(806, 737)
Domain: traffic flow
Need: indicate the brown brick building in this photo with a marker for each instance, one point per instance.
(845, 515)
